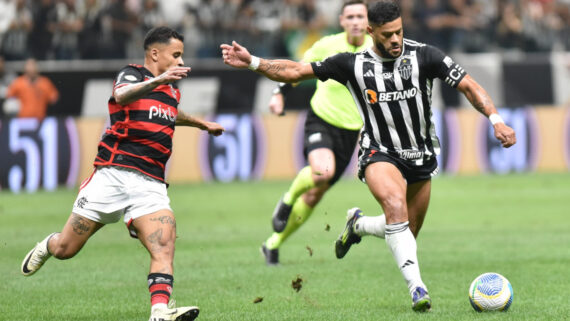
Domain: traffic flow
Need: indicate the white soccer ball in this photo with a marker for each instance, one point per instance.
(490, 292)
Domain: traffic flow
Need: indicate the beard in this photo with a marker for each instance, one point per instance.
(383, 52)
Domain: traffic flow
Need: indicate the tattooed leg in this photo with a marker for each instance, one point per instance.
(157, 232)
(74, 235)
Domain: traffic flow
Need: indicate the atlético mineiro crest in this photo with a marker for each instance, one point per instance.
(405, 68)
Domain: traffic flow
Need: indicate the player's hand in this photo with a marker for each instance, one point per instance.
(276, 104)
(214, 129)
(235, 55)
(505, 134)
(173, 74)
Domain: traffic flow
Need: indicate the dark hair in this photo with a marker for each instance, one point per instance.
(161, 35)
(351, 2)
(382, 12)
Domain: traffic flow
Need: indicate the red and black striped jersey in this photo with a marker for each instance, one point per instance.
(140, 136)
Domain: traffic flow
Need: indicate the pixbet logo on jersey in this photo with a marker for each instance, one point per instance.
(160, 112)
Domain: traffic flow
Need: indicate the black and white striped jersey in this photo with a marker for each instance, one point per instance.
(394, 96)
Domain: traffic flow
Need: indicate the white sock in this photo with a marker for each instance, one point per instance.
(403, 246)
(161, 306)
(371, 225)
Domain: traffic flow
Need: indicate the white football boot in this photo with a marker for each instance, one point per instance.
(36, 257)
(174, 314)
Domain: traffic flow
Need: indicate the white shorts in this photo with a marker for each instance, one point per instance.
(112, 192)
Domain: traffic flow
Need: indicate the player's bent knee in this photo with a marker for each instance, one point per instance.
(162, 254)
(64, 252)
(322, 177)
(394, 205)
(163, 247)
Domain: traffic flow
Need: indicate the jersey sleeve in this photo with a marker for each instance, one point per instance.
(442, 66)
(335, 67)
(128, 75)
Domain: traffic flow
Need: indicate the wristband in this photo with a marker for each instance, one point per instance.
(254, 64)
(495, 119)
(284, 87)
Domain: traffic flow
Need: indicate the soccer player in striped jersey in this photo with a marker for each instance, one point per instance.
(129, 176)
(331, 131)
(391, 85)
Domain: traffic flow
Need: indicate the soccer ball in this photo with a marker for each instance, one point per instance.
(490, 292)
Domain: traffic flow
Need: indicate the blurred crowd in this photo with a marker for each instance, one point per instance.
(114, 29)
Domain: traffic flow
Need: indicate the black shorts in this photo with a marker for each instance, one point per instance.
(412, 173)
(320, 134)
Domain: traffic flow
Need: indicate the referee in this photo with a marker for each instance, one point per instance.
(331, 131)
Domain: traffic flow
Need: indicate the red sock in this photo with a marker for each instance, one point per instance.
(160, 287)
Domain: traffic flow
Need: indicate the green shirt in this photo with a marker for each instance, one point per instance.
(331, 100)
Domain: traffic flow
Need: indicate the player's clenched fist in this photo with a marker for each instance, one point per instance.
(505, 134)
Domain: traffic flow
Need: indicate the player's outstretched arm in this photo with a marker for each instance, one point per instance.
(481, 101)
(183, 119)
(279, 69)
(129, 93)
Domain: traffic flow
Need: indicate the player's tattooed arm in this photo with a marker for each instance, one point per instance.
(282, 70)
(285, 70)
(477, 96)
(132, 92)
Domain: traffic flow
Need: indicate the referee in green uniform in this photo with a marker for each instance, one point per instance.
(331, 131)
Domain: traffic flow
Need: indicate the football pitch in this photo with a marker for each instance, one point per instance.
(517, 225)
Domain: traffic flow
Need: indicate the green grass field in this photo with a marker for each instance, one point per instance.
(516, 225)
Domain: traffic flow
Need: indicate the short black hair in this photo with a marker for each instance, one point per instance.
(382, 12)
(351, 2)
(161, 35)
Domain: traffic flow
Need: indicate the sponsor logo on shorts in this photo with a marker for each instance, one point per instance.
(410, 154)
(81, 202)
(315, 138)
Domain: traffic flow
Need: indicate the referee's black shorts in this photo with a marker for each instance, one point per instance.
(320, 134)
(411, 172)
